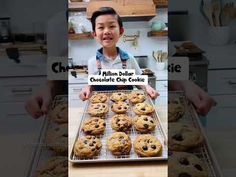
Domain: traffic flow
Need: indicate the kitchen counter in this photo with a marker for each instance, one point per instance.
(128, 169)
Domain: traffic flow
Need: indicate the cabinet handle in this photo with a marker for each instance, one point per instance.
(232, 82)
(29, 90)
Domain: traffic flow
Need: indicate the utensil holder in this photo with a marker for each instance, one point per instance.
(219, 35)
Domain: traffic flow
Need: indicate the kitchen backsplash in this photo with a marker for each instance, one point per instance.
(82, 50)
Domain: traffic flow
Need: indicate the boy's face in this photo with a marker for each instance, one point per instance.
(107, 30)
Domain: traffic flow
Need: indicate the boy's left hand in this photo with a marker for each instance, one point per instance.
(152, 92)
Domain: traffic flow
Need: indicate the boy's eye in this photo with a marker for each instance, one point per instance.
(112, 26)
(100, 27)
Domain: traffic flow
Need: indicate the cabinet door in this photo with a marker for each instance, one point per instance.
(19, 89)
(222, 82)
(19, 134)
(221, 132)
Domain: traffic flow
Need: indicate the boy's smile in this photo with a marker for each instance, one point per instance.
(107, 30)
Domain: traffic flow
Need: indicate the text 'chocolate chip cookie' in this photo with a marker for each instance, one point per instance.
(87, 147)
(147, 146)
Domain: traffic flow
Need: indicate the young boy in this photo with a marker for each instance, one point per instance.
(107, 29)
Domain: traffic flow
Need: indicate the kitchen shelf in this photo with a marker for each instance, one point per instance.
(157, 33)
(78, 6)
(81, 36)
(161, 3)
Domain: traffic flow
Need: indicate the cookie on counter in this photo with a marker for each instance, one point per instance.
(120, 107)
(137, 97)
(57, 139)
(183, 137)
(147, 145)
(98, 98)
(118, 96)
(87, 147)
(55, 166)
(98, 109)
(59, 114)
(119, 143)
(186, 164)
(175, 110)
(94, 126)
(143, 108)
(144, 123)
(121, 123)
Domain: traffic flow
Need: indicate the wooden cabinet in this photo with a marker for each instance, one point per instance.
(161, 3)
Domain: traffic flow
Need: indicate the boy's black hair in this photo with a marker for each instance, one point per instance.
(105, 11)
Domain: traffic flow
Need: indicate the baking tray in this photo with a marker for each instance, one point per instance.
(105, 155)
(42, 153)
(204, 152)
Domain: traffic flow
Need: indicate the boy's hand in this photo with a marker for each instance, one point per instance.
(152, 92)
(84, 94)
(200, 99)
(38, 105)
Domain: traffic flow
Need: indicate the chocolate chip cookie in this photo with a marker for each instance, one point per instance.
(137, 97)
(183, 164)
(98, 109)
(98, 98)
(143, 109)
(175, 110)
(183, 137)
(121, 123)
(118, 96)
(57, 139)
(94, 126)
(87, 147)
(55, 166)
(119, 143)
(147, 146)
(59, 114)
(144, 123)
(120, 107)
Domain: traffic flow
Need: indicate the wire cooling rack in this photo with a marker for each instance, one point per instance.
(204, 152)
(105, 155)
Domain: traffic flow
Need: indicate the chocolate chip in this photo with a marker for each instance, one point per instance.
(178, 137)
(103, 106)
(85, 141)
(94, 142)
(125, 107)
(96, 120)
(96, 126)
(65, 135)
(119, 108)
(93, 149)
(151, 121)
(104, 124)
(121, 137)
(119, 93)
(145, 148)
(183, 161)
(143, 109)
(90, 144)
(146, 119)
(111, 106)
(145, 125)
(198, 167)
(138, 94)
(184, 175)
(153, 146)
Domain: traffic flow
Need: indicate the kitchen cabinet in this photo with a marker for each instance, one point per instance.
(222, 82)
(157, 33)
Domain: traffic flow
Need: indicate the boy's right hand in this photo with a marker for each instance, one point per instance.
(38, 105)
(84, 94)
